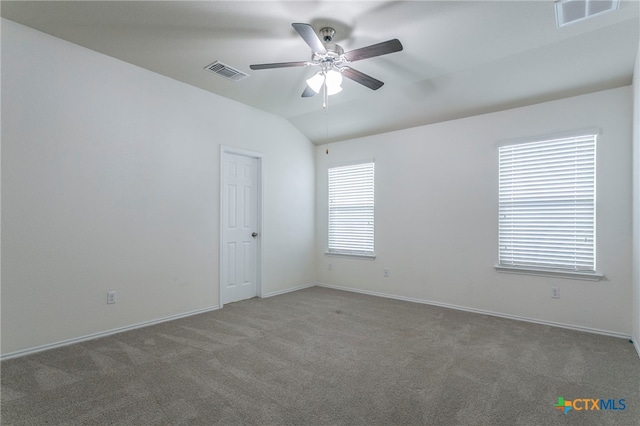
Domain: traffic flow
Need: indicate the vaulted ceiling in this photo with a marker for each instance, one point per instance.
(460, 58)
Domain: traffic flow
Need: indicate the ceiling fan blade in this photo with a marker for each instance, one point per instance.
(309, 36)
(278, 65)
(379, 49)
(308, 92)
(362, 78)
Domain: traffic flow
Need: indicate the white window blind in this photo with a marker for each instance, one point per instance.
(351, 209)
(547, 204)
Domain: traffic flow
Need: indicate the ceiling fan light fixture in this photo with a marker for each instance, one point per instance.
(332, 78)
(333, 90)
(333, 60)
(315, 82)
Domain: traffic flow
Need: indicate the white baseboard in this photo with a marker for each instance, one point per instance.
(482, 311)
(287, 290)
(93, 336)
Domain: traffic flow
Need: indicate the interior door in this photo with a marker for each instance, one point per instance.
(239, 211)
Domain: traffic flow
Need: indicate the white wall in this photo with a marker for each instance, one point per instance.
(110, 179)
(636, 204)
(436, 215)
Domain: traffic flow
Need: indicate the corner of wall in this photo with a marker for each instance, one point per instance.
(635, 327)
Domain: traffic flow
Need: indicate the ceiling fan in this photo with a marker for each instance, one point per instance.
(333, 61)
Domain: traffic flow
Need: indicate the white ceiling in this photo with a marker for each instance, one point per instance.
(460, 58)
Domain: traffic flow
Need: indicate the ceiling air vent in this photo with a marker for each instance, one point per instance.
(570, 11)
(226, 71)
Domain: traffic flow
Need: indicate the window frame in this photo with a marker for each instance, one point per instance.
(358, 254)
(591, 275)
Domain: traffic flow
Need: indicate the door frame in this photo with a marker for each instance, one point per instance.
(225, 149)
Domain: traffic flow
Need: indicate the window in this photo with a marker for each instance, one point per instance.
(351, 209)
(547, 205)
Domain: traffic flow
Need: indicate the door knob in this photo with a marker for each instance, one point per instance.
(254, 234)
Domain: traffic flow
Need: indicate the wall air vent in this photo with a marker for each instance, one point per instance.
(226, 71)
(571, 11)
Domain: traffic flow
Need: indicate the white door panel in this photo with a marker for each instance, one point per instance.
(240, 222)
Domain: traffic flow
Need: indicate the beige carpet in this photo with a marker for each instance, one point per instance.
(320, 356)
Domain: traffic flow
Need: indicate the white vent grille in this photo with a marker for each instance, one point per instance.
(571, 11)
(226, 71)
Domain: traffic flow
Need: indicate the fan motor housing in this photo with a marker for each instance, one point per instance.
(334, 52)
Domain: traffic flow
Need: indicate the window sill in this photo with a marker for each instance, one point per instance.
(587, 276)
(354, 256)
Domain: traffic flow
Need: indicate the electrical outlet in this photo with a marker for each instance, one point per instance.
(386, 272)
(555, 293)
(330, 267)
(112, 297)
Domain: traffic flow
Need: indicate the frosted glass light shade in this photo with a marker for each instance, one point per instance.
(333, 80)
(315, 82)
(333, 90)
